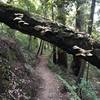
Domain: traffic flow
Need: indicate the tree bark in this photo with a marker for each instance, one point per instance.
(54, 55)
(91, 17)
(78, 63)
(54, 47)
(61, 17)
(39, 50)
(54, 33)
(29, 47)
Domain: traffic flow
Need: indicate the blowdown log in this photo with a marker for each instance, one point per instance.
(79, 44)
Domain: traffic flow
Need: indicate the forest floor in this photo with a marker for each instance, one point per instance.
(51, 87)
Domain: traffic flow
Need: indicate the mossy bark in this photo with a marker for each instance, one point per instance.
(54, 33)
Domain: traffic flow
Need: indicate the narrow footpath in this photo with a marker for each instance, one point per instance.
(50, 88)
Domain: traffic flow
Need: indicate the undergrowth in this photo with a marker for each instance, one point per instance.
(82, 91)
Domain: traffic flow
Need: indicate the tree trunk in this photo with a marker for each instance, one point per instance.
(39, 50)
(62, 56)
(54, 47)
(30, 43)
(62, 59)
(90, 25)
(79, 63)
(42, 48)
(91, 17)
(54, 33)
(54, 55)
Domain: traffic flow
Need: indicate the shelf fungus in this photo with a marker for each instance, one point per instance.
(19, 18)
(82, 52)
(21, 21)
(42, 29)
(83, 34)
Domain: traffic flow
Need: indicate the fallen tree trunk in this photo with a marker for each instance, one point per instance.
(79, 44)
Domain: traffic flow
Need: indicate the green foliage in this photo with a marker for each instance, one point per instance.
(23, 40)
(84, 89)
(96, 35)
(71, 89)
(87, 90)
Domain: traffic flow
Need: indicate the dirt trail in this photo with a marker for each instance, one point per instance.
(50, 87)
